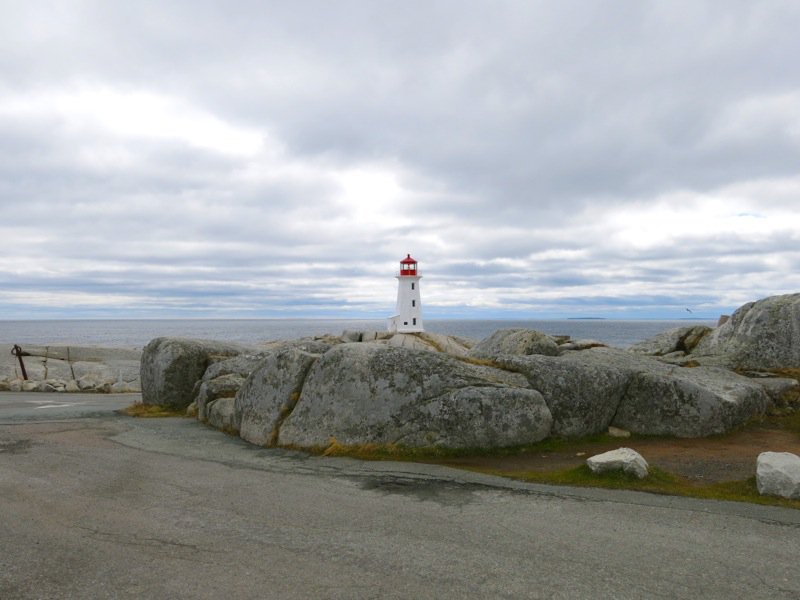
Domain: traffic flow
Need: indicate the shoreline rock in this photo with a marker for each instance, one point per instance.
(71, 369)
(513, 388)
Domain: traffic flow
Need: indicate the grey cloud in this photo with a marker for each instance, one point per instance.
(504, 123)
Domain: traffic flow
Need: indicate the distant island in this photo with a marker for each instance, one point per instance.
(586, 319)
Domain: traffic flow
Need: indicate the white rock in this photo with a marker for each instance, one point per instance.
(622, 459)
(778, 474)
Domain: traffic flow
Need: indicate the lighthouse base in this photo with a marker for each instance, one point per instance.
(398, 326)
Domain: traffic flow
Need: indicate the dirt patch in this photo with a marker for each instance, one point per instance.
(702, 460)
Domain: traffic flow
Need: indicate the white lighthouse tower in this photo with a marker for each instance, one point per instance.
(409, 306)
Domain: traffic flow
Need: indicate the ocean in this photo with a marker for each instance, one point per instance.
(136, 333)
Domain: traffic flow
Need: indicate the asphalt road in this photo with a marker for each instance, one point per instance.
(97, 505)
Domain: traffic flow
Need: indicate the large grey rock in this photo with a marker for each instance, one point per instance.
(224, 386)
(430, 341)
(515, 341)
(759, 335)
(689, 402)
(171, 367)
(241, 365)
(582, 389)
(682, 339)
(622, 459)
(270, 393)
(778, 474)
(317, 345)
(588, 391)
(371, 393)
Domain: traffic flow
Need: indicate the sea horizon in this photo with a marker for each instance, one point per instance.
(136, 332)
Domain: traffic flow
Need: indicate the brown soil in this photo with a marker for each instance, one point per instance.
(702, 460)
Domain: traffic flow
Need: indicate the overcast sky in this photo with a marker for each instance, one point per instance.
(265, 159)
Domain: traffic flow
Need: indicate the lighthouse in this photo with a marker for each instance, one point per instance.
(409, 306)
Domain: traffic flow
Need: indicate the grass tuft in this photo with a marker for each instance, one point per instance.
(657, 482)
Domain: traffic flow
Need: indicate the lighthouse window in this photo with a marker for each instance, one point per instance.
(415, 320)
(413, 303)
(412, 285)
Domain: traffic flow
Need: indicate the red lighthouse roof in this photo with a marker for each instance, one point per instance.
(408, 267)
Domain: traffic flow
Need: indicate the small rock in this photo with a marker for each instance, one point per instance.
(622, 459)
(30, 386)
(778, 474)
(4, 386)
(191, 410)
(87, 384)
(71, 387)
(618, 433)
(15, 385)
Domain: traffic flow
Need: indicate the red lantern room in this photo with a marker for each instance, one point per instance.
(408, 267)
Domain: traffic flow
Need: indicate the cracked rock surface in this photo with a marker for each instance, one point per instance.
(371, 393)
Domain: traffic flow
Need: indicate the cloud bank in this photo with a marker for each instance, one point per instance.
(625, 159)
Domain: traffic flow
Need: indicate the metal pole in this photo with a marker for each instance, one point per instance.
(18, 352)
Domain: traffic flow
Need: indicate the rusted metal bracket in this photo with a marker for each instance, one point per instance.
(19, 353)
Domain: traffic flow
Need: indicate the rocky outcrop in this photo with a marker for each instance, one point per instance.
(371, 393)
(171, 367)
(590, 390)
(759, 335)
(515, 387)
(71, 369)
(430, 341)
(626, 460)
(224, 386)
(778, 474)
(689, 402)
(515, 341)
(682, 339)
(582, 389)
(270, 394)
(223, 379)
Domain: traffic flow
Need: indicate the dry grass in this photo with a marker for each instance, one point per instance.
(139, 409)
(657, 482)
